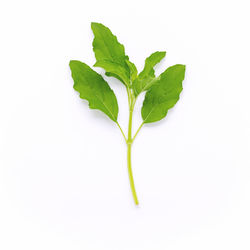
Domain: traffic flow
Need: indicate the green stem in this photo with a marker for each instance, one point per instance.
(130, 174)
(129, 146)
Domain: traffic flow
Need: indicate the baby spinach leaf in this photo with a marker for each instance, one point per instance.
(93, 88)
(147, 77)
(164, 94)
(109, 53)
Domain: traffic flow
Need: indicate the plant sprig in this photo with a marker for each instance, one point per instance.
(162, 92)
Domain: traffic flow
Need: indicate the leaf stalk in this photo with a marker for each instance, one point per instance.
(121, 131)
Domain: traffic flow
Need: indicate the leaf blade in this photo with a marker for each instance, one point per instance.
(147, 77)
(93, 88)
(109, 53)
(164, 94)
(114, 69)
(133, 70)
(150, 63)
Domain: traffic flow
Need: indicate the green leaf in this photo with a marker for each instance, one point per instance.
(140, 85)
(150, 62)
(147, 77)
(93, 88)
(109, 53)
(132, 69)
(115, 76)
(114, 69)
(164, 94)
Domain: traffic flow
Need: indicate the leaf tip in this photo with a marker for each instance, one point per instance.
(180, 66)
(183, 66)
(71, 62)
(95, 25)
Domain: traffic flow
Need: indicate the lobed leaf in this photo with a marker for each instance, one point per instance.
(93, 88)
(164, 94)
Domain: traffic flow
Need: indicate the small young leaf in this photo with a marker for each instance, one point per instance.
(147, 77)
(164, 94)
(133, 70)
(143, 84)
(109, 53)
(114, 69)
(150, 62)
(115, 76)
(93, 88)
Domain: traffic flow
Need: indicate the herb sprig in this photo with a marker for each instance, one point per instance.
(162, 92)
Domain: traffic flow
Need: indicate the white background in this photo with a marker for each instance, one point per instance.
(63, 176)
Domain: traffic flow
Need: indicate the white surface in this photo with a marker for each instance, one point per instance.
(63, 176)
